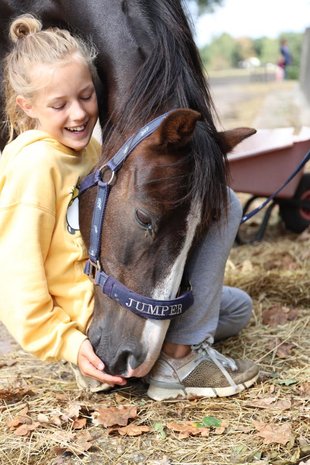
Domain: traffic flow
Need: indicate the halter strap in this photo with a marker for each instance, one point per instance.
(136, 303)
(116, 162)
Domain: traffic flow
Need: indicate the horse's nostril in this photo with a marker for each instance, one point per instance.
(123, 361)
(133, 361)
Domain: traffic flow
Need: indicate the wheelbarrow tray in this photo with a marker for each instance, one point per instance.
(260, 164)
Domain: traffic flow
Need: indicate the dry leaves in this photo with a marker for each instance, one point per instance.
(304, 390)
(188, 428)
(274, 433)
(22, 424)
(278, 315)
(15, 394)
(69, 441)
(79, 423)
(131, 430)
(114, 417)
(111, 416)
(272, 403)
(75, 443)
(72, 412)
(280, 348)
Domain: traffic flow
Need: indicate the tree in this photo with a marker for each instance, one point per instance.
(267, 49)
(225, 52)
(221, 53)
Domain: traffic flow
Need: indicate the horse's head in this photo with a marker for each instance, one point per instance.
(149, 226)
(150, 222)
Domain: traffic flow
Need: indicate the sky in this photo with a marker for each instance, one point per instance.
(253, 18)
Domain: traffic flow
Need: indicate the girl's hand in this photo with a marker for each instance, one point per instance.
(91, 365)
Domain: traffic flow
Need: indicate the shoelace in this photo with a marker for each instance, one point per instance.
(220, 360)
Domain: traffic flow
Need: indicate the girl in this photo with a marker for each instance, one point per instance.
(51, 106)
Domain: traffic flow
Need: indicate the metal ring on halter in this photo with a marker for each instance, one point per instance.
(105, 168)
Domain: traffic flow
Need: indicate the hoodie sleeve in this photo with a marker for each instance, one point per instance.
(27, 222)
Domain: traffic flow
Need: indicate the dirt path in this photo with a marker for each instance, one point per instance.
(261, 105)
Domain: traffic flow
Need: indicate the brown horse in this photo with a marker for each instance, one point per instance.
(168, 190)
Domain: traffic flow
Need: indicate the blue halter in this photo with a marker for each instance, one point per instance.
(143, 306)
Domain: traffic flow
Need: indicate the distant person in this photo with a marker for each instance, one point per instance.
(286, 57)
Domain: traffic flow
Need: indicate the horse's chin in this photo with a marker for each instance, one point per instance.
(153, 336)
(144, 368)
(141, 371)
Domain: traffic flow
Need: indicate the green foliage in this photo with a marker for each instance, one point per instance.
(267, 50)
(222, 53)
(225, 52)
(286, 382)
(160, 430)
(209, 422)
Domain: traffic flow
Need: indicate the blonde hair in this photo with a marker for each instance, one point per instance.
(33, 45)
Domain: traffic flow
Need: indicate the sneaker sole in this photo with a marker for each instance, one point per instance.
(159, 393)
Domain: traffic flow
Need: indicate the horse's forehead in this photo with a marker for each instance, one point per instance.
(153, 159)
(156, 175)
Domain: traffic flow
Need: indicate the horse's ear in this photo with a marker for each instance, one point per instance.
(178, 127)
(229, 139)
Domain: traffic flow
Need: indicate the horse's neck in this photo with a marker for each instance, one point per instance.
(126, 48)
(121, 34)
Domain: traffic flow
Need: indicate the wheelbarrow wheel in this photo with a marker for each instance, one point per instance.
(296, 217)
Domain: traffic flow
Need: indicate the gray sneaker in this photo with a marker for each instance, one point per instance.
(203, 373)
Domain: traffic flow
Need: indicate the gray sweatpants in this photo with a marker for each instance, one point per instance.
(218, 311)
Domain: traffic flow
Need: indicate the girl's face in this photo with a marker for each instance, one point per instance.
(65, 104)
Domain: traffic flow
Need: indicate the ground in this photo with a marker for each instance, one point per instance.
(45, 419)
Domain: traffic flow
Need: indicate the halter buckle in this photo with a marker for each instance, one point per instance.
(91, 268)
(102, 170)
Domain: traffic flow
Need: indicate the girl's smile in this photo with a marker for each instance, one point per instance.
(65, 103)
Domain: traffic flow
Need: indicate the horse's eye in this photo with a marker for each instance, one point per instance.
(143, 219)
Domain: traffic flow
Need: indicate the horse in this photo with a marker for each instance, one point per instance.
(168, 190)
(144, 209)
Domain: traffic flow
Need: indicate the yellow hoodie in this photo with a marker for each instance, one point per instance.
(45, 299)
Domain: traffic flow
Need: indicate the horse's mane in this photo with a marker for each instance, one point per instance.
(172, 76)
